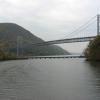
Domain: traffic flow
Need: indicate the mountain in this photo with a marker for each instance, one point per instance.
(16, 36)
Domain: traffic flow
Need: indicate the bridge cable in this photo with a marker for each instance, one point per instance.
(82, 26)
(81, 29)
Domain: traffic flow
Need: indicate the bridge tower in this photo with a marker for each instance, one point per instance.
(98, 24)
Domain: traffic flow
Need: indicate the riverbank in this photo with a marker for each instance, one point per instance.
(47, 57)
(13, 59)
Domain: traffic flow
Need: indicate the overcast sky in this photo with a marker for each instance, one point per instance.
(49, 19)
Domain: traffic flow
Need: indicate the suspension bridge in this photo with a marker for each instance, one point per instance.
(79, 35)
(84, 33)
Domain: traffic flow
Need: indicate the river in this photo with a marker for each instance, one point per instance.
(49, 79)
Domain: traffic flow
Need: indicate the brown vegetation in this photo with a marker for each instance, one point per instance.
(92, 52)
(4, 52)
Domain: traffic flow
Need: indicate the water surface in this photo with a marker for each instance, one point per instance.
(49, 79)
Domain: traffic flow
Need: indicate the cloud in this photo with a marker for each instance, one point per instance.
(49, 19)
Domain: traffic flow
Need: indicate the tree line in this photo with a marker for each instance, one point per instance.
(5, 54)
(92, 52)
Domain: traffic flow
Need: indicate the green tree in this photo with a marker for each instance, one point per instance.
(92, 52)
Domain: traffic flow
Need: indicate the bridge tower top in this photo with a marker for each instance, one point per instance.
(98, 24)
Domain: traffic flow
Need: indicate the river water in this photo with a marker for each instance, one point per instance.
(49, 79)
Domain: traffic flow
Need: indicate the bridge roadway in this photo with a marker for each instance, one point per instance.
(71, 40)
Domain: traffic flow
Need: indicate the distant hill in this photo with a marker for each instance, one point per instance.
(16, 36)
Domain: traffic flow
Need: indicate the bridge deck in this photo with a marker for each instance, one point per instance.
(71, 40)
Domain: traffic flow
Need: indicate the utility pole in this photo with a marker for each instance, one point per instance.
(98, 24)
(19, 46)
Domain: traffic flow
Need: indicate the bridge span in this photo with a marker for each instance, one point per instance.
(74, 36)
(61, 41)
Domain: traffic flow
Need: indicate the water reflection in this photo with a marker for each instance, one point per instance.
(95, 70)
(50, 79)
(13, 79)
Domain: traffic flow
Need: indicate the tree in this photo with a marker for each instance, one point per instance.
(92, 52)
(4, 52)
(2, 49)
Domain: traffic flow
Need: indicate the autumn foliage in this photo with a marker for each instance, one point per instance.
(92, 52)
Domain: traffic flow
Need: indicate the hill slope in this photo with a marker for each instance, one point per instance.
(16, 36)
